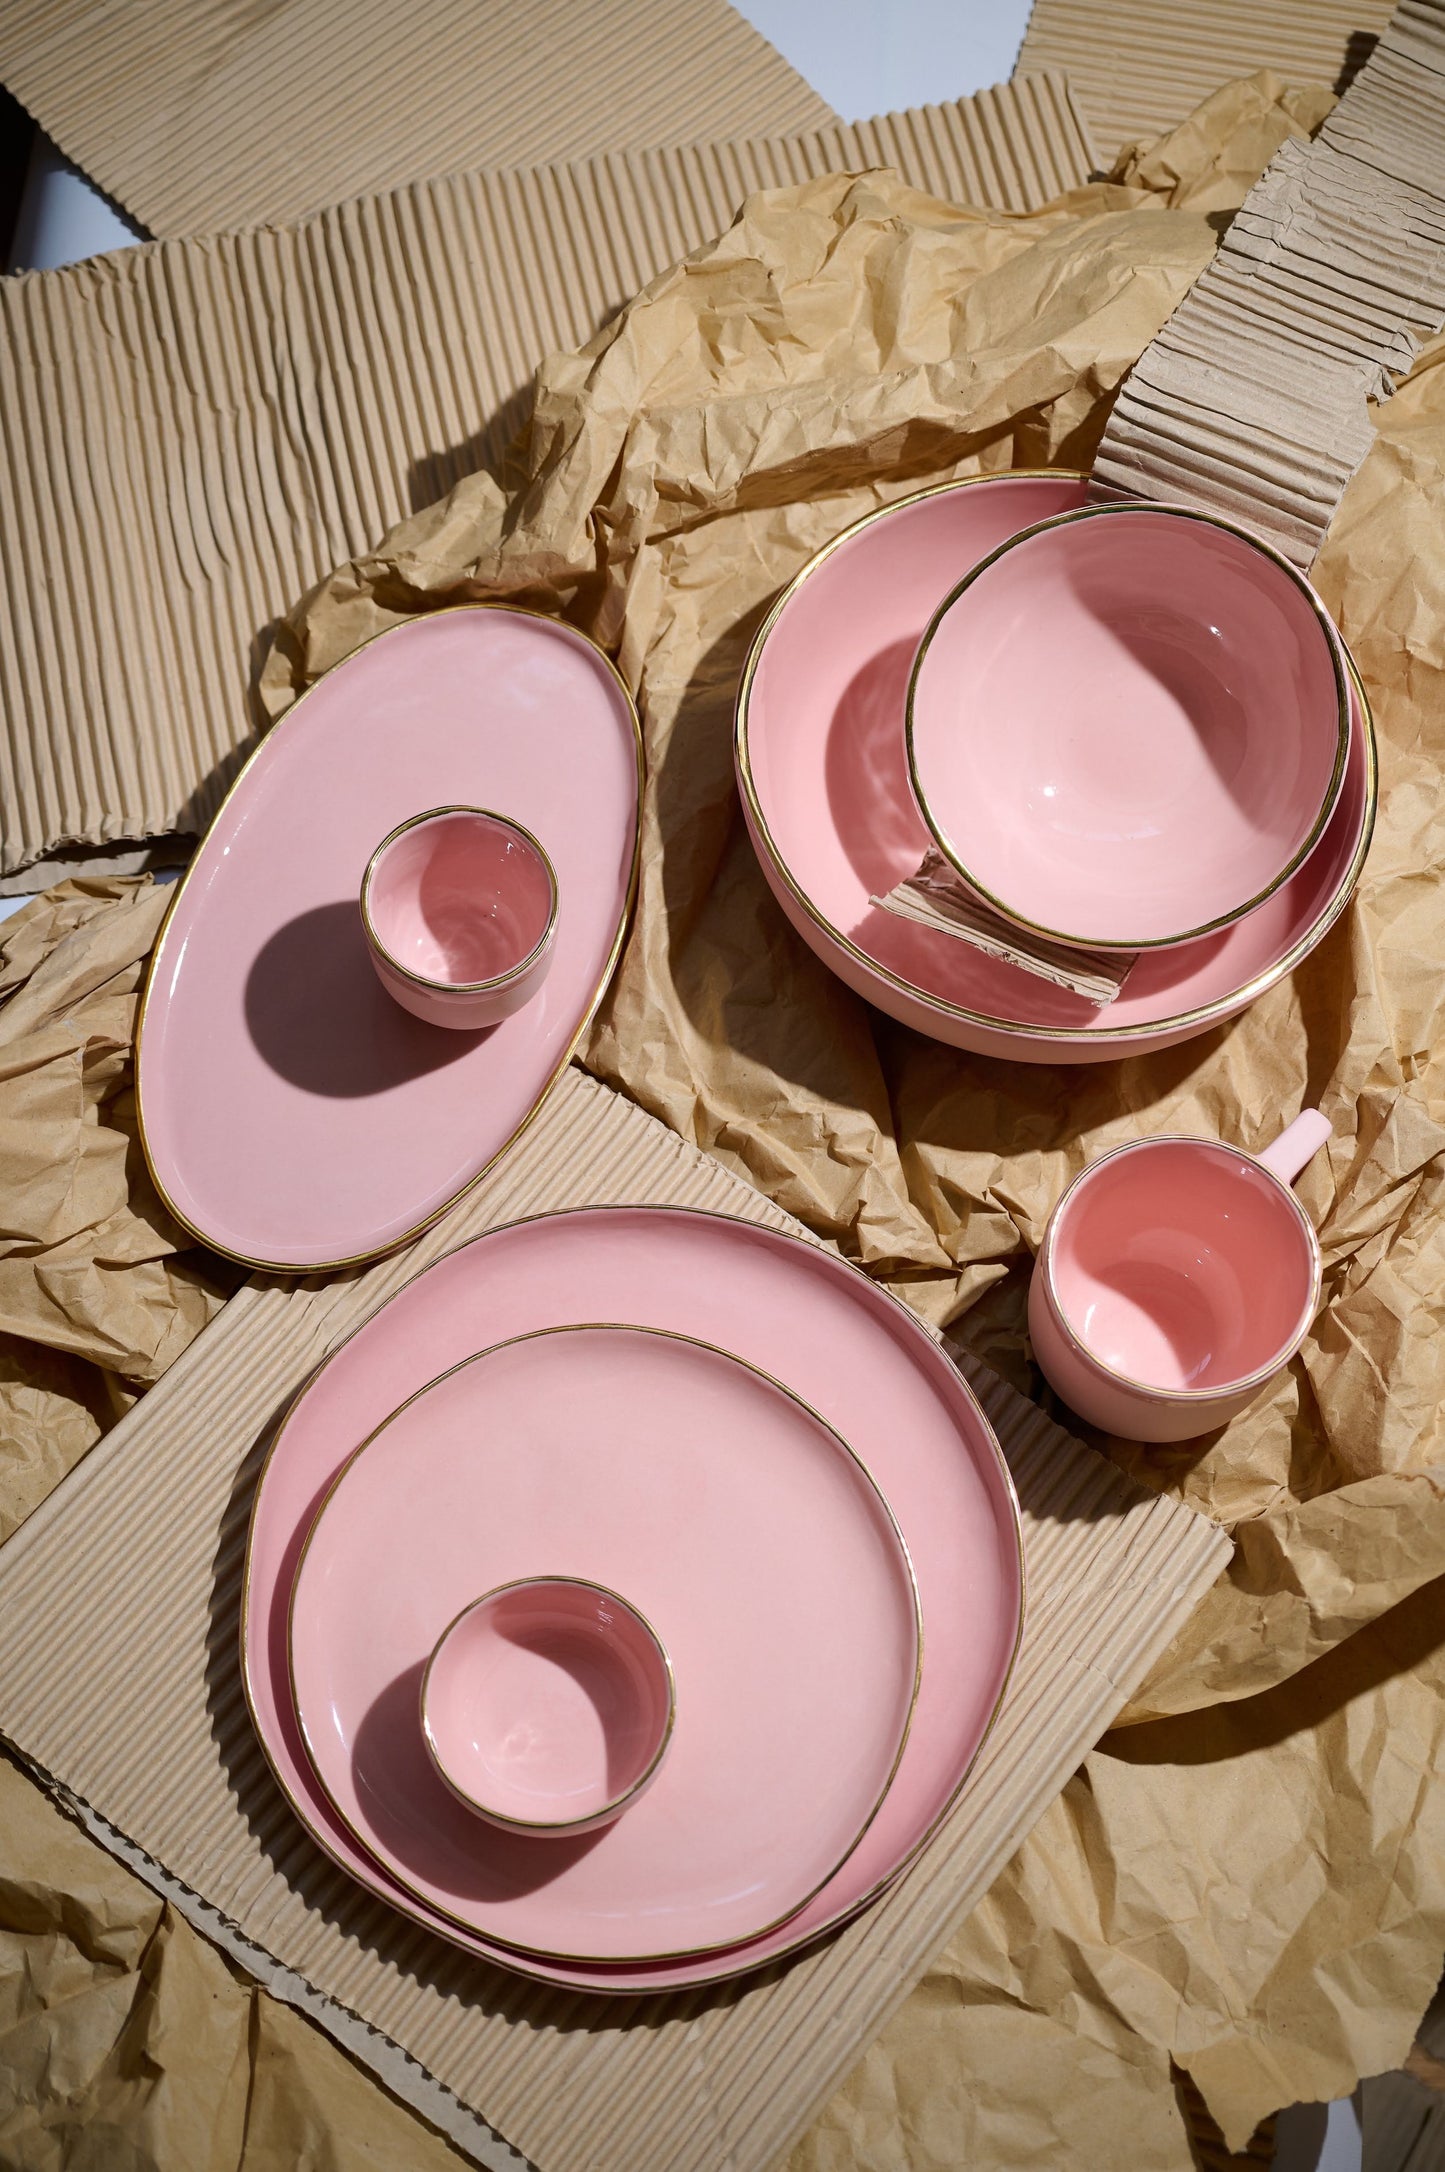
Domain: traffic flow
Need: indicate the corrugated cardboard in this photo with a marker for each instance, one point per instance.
(194, 432)
(1138, 66)
(1254, 399)
(122, 1686)
(197, 114)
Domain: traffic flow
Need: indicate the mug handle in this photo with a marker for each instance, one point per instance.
(1298, 1143)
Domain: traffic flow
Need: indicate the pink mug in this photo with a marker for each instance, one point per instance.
(1175, 1278)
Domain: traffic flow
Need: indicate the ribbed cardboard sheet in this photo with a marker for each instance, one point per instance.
(192, 433)
(198, 114)
(1253, 399)
(1138, 66)
(119, 1681)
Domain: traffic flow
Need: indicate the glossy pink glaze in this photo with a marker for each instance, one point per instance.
(755, 1544)
(548, 1703)
(1128, 726)
(792, 1309)
(459, 910)
(293, 1113)
(826, 747)
(1175, 1278)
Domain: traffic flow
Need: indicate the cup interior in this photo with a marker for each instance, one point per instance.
(1128, 726)
(1182, 1264)
(461, 898)
(547, 1703)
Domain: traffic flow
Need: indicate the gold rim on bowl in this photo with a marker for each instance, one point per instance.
(495, 982)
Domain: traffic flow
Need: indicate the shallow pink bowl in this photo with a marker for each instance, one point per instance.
(460, 908)
(1128, 726)
(1176, 1277)
(548, 1705)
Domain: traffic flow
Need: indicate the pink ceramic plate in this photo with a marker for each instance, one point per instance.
(744, 1531)
(293, 1115)
(1128, 726)
(823, 773)
(848, 1348)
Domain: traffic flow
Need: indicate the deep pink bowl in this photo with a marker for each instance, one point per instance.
(460, 908)
(1128, 726)
(548, 1705)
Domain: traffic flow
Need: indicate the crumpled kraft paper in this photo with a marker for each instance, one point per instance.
(127, 2040)
(844, 342)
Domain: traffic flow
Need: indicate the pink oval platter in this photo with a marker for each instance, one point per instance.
(744, 1531)
(795, 1311)
(293, 1115)
(823, 773)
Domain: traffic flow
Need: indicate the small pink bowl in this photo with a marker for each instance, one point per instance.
(1128, 726)
(548, 1705)
(1175, 1278)
(460, 908)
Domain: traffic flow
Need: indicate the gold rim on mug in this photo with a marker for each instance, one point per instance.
(1247, 1383)
(420, 1911)
(1134, 506)
(393, 1244)
(696, 1342)
(1203, 1015)
(617, 1803)
(495, 981)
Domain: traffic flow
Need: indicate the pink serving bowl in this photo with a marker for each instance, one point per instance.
(460, 909)
(823, 775)
(1128, 726)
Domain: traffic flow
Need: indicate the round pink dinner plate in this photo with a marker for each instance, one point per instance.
(744, 1531)
(823, 772)
(846, 1347)
(294, 1116)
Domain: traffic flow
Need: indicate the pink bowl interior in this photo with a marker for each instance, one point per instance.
(1182, 1264)
(1126, 728)
(547, 1701)
(460, 898)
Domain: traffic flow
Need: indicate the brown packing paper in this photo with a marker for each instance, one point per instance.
(153, 1736)
(194, 114)
(1139, 66)
(195, 433)
(939, 1169)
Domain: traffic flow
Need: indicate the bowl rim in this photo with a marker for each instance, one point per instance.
(1246, 1384)
(1123, 1037)
(615, 1803)
(1135, 508)
(495, 982)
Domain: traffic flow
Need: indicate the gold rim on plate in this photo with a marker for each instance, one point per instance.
(493, 1950)
(1204, 1015)
(1109, 511)
(152, 981)
(693, 1342)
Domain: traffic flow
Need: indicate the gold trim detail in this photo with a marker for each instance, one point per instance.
(591, 1820)
(497, 981)
(1202, 1016)
(392, 1244)
(419, 1912)
(659, 1334)
(1127, 507)
(1248, 1383)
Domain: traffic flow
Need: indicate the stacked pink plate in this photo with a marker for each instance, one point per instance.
(838, 819)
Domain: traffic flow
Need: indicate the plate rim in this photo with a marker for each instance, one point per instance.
(393, 1244)
(740, 1962)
